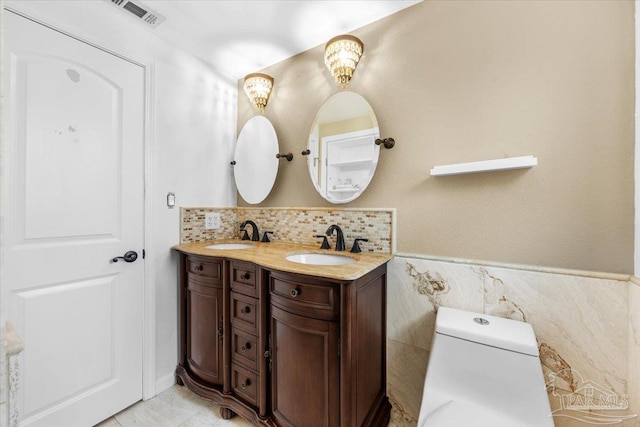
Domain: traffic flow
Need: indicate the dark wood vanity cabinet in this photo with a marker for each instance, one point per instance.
(328, 341)
(284, 349)
(248, 377)
(305, 350)
(304, 358)
(202, 346)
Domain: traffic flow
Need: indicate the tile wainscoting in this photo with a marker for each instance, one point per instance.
(586, 325)
(634, 346)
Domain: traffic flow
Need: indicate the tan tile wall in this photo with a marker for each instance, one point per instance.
(581, 324)
(297, 225)
(192, 224)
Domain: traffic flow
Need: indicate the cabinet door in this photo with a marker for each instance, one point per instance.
(305, 375)
(204, 332)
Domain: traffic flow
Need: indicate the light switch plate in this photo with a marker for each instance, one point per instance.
(212, 221)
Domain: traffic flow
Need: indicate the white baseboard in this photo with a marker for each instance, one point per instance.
(165, 382)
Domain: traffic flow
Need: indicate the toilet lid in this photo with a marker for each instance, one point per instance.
(463, 414)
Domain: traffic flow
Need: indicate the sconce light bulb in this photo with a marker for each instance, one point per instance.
(341, 56)
(258, 88)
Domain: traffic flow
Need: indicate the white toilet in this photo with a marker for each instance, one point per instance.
(484, 371)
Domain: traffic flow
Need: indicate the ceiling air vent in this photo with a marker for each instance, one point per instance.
(136, 10)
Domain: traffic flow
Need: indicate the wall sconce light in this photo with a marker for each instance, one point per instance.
(258, 88)
(341, 56)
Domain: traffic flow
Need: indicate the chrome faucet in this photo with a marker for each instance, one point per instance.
(255, 234)
(339, 238)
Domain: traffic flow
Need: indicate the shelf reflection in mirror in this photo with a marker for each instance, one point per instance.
(255, 165)
(341, 153)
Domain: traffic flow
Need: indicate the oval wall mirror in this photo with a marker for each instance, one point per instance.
(256, 165)
(342, 152)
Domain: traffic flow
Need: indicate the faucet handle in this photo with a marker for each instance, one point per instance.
(325, 242)
(245, 236)
(356, 247)
(265, 238)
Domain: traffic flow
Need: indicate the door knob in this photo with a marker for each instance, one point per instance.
(130, 256)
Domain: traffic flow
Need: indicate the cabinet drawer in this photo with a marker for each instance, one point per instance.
(205, 269)
(243, 278)
(309, 298)
(244, 313)
(244, 384)
(244, 348)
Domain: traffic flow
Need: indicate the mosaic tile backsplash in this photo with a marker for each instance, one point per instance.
(296, 225)
(192, 224)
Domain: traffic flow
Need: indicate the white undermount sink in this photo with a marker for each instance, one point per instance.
(320, 259)
(228, 246)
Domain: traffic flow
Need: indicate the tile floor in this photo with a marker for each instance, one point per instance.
(174, 407)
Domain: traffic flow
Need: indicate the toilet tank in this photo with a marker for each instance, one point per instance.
(487, 361)
(494, 331)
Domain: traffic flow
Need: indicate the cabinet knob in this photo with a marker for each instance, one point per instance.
(246, 310)
(295, 292)
(246, 347)
(199, 267)
(246, 276)
(246, 383)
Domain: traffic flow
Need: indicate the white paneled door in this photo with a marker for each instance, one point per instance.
(73, 200)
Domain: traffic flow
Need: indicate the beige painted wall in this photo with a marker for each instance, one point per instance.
(346, 126)
(464, 81)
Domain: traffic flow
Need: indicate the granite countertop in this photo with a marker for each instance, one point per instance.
(272, 255)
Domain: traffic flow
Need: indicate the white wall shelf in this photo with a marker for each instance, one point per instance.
(485, 166)
(360, 162)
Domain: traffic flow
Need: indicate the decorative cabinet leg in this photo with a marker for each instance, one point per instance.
(179, 381)
(226, 413)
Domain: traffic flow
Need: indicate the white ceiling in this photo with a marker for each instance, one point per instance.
(239, 37)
